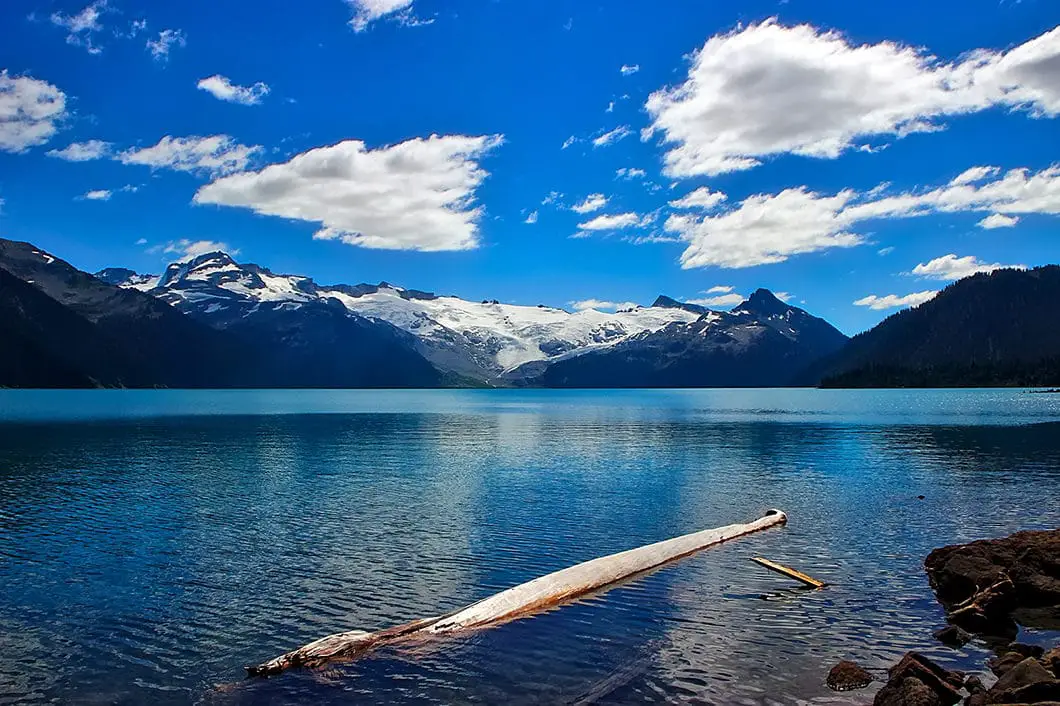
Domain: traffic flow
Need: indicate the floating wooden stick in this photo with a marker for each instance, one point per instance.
(521, 600)
(789, 572)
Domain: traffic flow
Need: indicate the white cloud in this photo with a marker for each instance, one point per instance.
(629, 69)
(885, 251)
(702, 198)
(766, 89)
(217, 154)
(83, 151)
(568, 142)
(614, 222)
(970, 176)
(553, 197)
(893, 301)
(592, 202)
(629, 173)
(610, 107)
(142, 241)
(950, 267)
(720, 289)
(532, 218)
(721, 300)
(222, 88)
(600, 304)
(611, 136)
(365, 12)
(414, 195)
(998, 220)
(167, 40)
(30, 111)
(187, 249)
(81, 27)
(784, 296)
(96, 195)
(767, 228)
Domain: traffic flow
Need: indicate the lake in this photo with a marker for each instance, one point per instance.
(154, 542)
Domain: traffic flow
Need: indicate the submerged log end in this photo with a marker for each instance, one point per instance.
(337, 645)
(783, 519)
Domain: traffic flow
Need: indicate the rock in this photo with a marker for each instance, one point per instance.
(1026, 683)
(977, 699)
(847, 676)
(981, 583)
(1003, 663)
(908, 692)
(1051, 661)
(1026, 650)
(953, 636)
(917, 681)
(974, 685)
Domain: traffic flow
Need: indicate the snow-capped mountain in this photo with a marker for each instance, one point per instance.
(486, 341)
(761, 342)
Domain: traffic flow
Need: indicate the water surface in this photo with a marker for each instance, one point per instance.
(153, 542)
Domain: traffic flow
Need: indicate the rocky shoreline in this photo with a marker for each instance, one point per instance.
(989, 589)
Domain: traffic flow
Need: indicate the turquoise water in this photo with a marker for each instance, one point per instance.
(153, 542)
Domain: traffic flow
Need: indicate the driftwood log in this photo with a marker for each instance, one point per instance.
(520, 600)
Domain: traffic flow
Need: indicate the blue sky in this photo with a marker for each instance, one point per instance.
(838, 152)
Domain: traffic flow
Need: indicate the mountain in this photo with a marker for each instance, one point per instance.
(468, 342)
(1001, 328)
(68, 328)
(127, 338)
(762, 342)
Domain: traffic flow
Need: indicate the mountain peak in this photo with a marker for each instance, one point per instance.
(665, 302)
(763, 301)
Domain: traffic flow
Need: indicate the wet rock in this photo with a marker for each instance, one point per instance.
(953, 636)
(1026, 650)
(917, 681)
(1003, 663)
(980, 584)
(1026, 683)
(846, 676)
(1051, 661)
(974, 685)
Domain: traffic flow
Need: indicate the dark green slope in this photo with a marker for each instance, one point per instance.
(1001, 328)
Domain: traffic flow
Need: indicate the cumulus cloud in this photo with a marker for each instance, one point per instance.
(629, 69)
(81, 27)
(768, 228)
(214, 155)
(950, 267)
(893, 301)
(365, 12)
(166, 41)
(611, 136)
(532, 218)
(970, 176)
(768, 89)
(414, 195)
(615, 221)
(96, 195)
(701, 198)
(83, 151)
(719, 301)
(998, 220)
(222, 88)
(568, 142)
(720, 289)
(630, 173)
(601, 305)
(30, 112)
(592, 202)
(186, 249)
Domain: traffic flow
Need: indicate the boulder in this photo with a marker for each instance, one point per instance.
(1026, 683)
(917, 681)
(953, 636)
(846, 676)
(981, 583)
